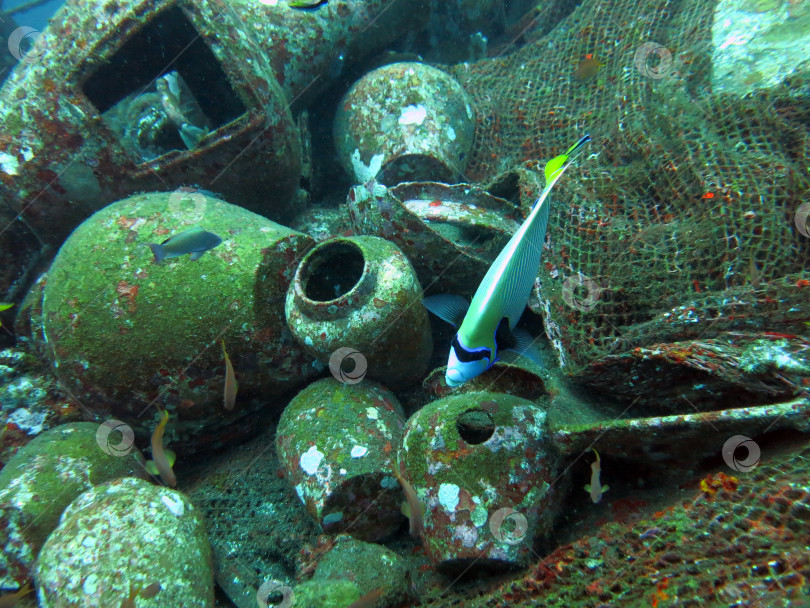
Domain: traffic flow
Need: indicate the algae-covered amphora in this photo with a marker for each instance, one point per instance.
(361, 294)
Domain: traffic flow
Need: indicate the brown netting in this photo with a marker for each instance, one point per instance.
(733, 542)
(681, 211)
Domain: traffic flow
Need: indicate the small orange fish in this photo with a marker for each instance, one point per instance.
(145, 592)
(369, 599)
(412, 508)
(129, 602)
(10, 599)
(162, 459)
(588, 68)
(231, 386)
(151, 591)
(754, 273)
(595, 488)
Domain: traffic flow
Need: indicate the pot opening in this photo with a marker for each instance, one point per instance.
(417, 168)
(475, 426)
(189, 99)
(333, 271)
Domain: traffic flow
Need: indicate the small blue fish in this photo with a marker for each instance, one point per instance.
(486, 325)
(195, 241)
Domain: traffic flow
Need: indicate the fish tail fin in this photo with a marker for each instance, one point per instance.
(558, 164)
(157, 251)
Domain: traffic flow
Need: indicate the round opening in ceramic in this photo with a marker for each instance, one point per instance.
(332, 271)
(416, 168)
(475, 426)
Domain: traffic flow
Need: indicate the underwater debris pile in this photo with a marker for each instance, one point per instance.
(131, 296)
(681, 223)
(738, 542)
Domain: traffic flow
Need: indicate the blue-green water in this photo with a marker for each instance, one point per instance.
(220, 386)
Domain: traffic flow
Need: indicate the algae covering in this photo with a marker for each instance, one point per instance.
(119, 539)
(369, 565)
(41, 480)
(338, 443)
(126, 333)
(361, 293)
(481, 464)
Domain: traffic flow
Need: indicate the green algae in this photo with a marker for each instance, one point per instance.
(326, 594)
(42, 479)
(368, 565)
(126, 534)
(126, 333)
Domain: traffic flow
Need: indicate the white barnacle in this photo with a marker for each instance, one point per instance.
(363, 172)
(359, 451)
(175, 507)
(413, 115)
(448, 496)
(9, 164)
(311, 459)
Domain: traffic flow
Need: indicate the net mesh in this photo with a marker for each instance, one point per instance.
(680, 214)
(736, 541)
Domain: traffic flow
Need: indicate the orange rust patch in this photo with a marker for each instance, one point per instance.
(125, 222)
(127, 294)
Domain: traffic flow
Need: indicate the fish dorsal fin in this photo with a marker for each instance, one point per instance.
(450, 308)
(510, 279)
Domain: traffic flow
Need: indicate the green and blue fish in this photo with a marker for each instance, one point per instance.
(306, 4)
(195, 241)
(485, 326)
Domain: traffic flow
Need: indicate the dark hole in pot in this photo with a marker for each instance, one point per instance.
(506, 186)
(416, 168)
(333, 271)
(124, 89)
(475, 426)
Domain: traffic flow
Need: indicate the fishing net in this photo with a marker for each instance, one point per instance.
(678, 221)
(731, 542)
